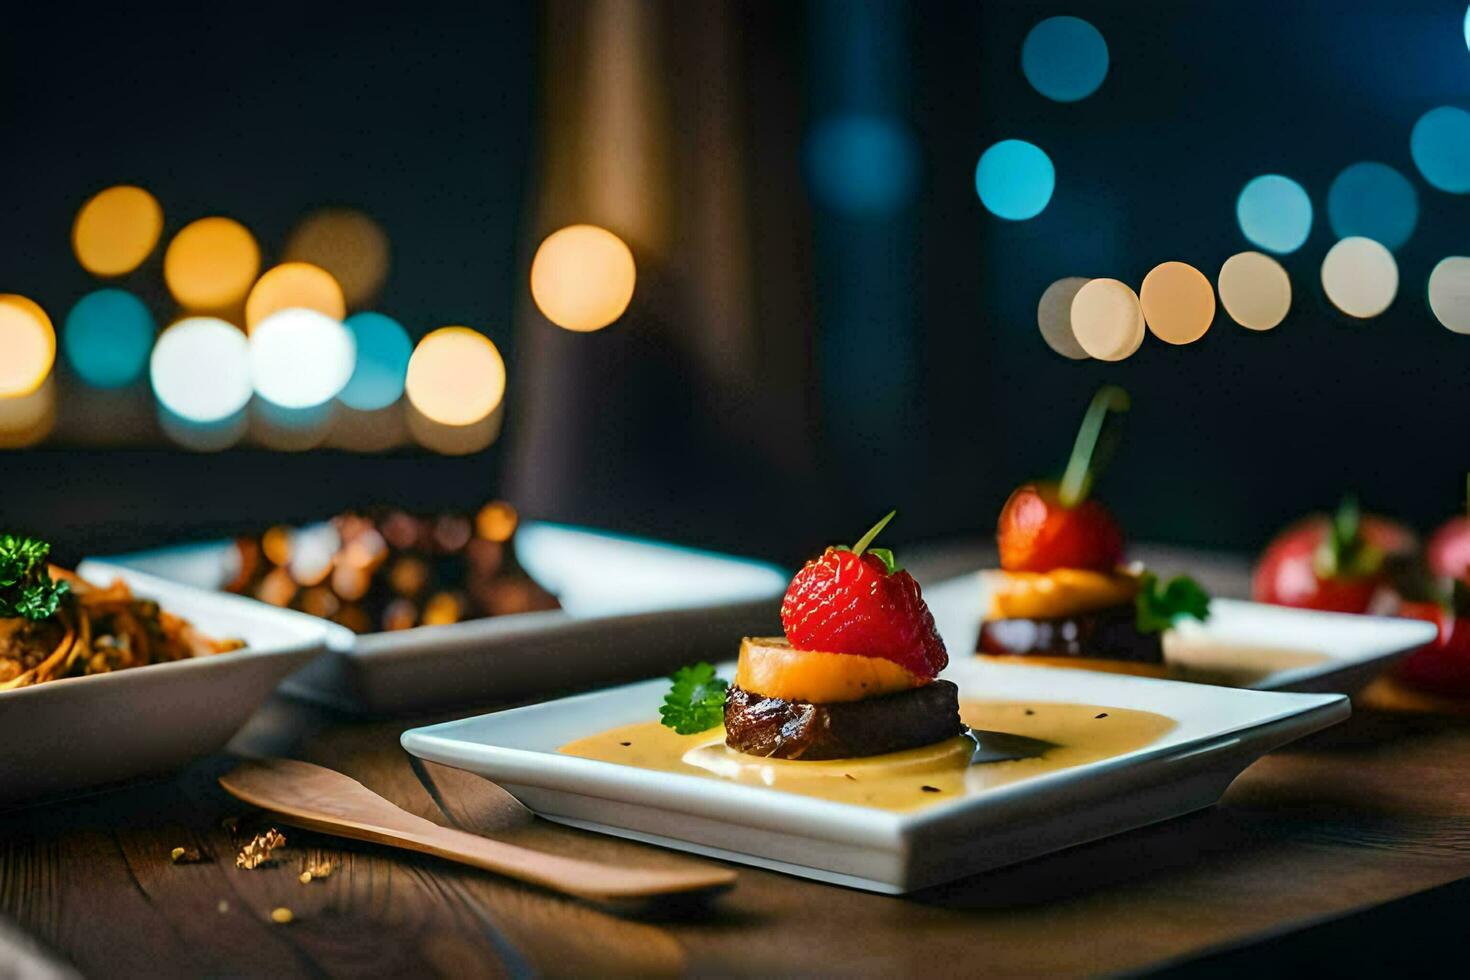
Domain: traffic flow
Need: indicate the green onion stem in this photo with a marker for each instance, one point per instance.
(1078, 478)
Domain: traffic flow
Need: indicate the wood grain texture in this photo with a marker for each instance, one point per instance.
(1357, 816)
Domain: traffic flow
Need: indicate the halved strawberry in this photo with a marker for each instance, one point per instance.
(856, 601)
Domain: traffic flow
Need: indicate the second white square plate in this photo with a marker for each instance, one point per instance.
(1243, 644)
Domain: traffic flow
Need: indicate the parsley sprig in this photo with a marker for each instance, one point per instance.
(696, 702)
(1159, 604)
(26, 587)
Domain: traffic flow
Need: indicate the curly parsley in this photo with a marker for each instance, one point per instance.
(696, 702)
(26, 587)
(1160, 604)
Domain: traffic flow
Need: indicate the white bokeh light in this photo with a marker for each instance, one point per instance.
(300, 358)
(1449, 293)
(200, 369)
(1360, 277)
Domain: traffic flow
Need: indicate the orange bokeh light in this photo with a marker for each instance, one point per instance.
(294, 285)
(27, 346)
(211, 264)
(455, 376)
(582, 277)
(116, 230)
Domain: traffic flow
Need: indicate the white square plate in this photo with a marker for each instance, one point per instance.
(630, 608)
(1349, 650)
(1219, 732)
(78, 733)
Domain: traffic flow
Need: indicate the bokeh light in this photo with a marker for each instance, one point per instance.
(1054, 317)
(1064, 58)
(1449, 293)
(211, 264)
(200, 369)
(1107, 319)
(294, 285)
(1255, 290)
(383, 350)
(1373, 200)
(861, 165)
(107, 336)
(1440, 145)
(455, 377)
(1360, 277)
(300, 358)
(348, 244)
(1015, 179)
(116, 230)
(27, 345)
(1275, 213)
(582, 277)
(1178, 302)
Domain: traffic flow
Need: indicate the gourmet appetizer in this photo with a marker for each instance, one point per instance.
(1063, 596)
(854, 675)
(55, 624)
(389, 570)
(1342, 563)
(846, 705)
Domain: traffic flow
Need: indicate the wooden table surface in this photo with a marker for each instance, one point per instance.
(1363, 814)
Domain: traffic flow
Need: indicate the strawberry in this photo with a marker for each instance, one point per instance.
(856, 601)
(1337, 563)
(1037, 533)
(1047, 526)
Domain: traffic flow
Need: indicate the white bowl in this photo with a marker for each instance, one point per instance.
(80, 733)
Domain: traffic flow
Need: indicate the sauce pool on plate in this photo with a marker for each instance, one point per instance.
(1009, 741)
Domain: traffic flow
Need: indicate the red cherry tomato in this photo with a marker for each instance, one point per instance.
(1448, 551)
(1441, 667)
(1037, 534)
(1287, 572)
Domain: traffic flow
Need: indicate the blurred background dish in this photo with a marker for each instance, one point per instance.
(447, 620)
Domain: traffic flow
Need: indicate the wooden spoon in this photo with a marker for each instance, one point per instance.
(309, 796)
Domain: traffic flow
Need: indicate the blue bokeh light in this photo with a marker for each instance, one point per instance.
(1375, 201)
(107, 337)
(1440, 145)
(383, 350)
(1065, 58)
(861, 165)
(1015, 179)
(1275, 213)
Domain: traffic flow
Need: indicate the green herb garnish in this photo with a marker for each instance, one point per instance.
(26, 587)
(696, 702)
(1344, 552)
(884, 555)
(1160, 604)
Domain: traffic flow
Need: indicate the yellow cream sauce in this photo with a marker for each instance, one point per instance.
(1010, 741)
